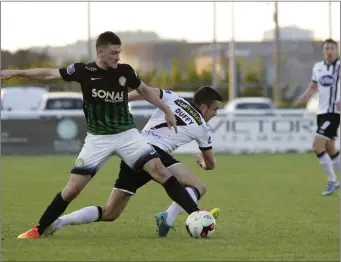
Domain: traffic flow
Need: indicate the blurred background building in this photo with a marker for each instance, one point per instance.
(292, 33)
(273, 51)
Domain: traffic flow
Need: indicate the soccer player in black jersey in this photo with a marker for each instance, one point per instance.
(110, 126)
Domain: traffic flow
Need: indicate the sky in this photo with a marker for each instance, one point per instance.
(25, 24)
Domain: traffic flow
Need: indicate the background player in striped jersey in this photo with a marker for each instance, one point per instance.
(110, 126)
(326, 81)
(191, 120)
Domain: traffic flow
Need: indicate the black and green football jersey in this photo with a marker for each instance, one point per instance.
(105, 95)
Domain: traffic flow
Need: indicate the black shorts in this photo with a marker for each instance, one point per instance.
(129, 181)
(327, 125)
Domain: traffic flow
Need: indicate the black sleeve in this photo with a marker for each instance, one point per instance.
(74, 72)
(133, 79)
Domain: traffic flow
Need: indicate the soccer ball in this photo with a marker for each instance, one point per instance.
(200, 224)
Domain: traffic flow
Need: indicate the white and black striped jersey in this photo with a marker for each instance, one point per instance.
(191, 125)
(327, 77)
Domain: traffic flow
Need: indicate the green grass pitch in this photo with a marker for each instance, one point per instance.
(271, 209)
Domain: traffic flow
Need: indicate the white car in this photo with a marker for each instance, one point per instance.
(22, 98)
(253, 105)
(54, 104)
(61, 101)
(146, 108)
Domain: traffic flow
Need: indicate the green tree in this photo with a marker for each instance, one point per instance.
(253, 78)
(176, 75)
(148, 77)
(190, 74)
(184, 76)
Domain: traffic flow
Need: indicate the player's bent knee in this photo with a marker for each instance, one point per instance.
(115, 205)
(317, 149)
(319, 145)
(110, 215)
(157, 170)
(202, 189)
(199, 185)
(152, 166)
(330, 151)
(330, 147)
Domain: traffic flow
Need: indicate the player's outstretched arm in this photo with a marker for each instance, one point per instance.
(134, 95)
(36, 73)
(208, 161)
(312, 88)
(148, 94)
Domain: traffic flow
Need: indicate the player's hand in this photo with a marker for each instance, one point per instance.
(171, 121)
(338, 105)
(199, 160)
(302, 100)
(7, 74)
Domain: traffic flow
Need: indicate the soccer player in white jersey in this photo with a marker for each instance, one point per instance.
(326, 81)
(110, 126)
(192, 125)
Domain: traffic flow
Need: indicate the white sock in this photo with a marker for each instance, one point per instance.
(82, 216)
(337, 162)
(174, 209)
(327, 164)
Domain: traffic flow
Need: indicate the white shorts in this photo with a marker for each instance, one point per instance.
(129, 145)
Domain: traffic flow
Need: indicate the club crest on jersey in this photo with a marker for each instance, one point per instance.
(79, 162)
(70, 69)
(122, 81)
(326, 80)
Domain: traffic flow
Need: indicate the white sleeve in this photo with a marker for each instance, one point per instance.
(314, 76)
(167, 95)
(204, 140)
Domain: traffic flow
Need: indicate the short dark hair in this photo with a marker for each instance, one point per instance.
(329, 41)
(206, 95)
(108, 38)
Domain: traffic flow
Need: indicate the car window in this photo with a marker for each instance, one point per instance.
(64, 104)
(148, 106)
(143, 107)
(250, 106)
